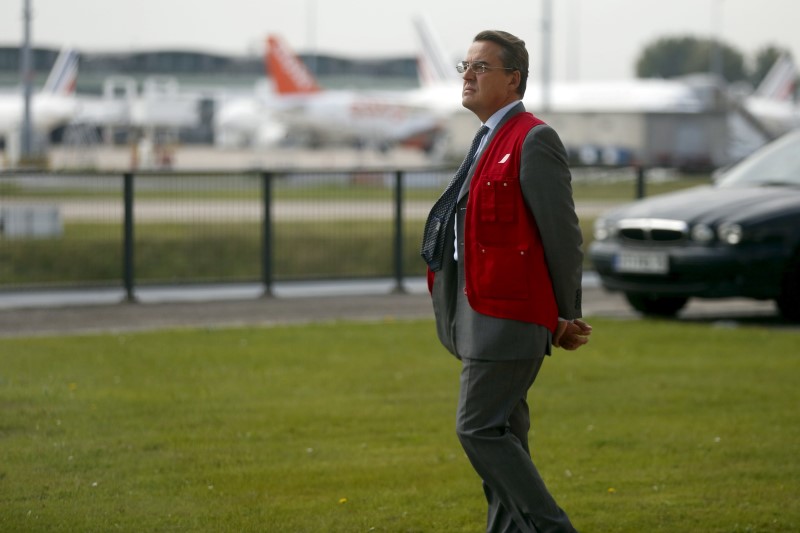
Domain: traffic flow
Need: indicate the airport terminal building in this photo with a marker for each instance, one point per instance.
(198, 67)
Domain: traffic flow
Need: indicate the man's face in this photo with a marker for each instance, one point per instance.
(483, 94)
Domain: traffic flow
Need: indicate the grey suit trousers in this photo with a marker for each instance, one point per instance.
(492, 424)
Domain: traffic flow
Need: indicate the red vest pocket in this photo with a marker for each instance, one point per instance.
(496, 200)
(503, 273)
(486, 201)
(505, 196)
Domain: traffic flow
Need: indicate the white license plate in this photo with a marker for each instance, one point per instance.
(642, 263)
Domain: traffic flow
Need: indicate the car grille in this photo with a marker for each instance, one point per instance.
(654, 230)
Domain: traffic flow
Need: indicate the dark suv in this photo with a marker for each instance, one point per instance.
(739, 237)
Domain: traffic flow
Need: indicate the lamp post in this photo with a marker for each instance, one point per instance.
(717, 61)
(26, 72)
(546, 45)
(312, 30)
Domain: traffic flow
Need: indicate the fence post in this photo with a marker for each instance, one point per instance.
(640, 182)
(266, 233)
(127, 240)
(398, 233)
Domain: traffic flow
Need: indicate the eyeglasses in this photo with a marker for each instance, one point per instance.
(478, 67)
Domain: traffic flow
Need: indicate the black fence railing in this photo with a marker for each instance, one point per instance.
(76, 230)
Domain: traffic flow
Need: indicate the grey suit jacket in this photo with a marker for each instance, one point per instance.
(546, 187)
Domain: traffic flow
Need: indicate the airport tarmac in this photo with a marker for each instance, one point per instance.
(204, 158)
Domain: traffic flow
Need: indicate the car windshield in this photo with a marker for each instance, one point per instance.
(777, 164)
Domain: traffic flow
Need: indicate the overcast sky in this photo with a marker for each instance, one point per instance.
(592, 39)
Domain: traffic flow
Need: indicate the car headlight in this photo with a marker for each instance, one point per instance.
(603, 229)
(702, 233)
(730, 233)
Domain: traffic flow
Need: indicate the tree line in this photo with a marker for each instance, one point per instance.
(670, 57)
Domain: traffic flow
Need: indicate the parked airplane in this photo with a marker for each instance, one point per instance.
(299, 108)
(51, 107)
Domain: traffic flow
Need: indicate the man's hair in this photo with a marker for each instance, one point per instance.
(513, 54)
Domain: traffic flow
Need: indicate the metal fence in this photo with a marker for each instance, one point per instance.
(77, 230)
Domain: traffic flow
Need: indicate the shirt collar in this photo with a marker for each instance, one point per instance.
(495, 119)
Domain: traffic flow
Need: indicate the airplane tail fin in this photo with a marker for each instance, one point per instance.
(64, 74)
(289, 74)
(433, 64)
(779, 83)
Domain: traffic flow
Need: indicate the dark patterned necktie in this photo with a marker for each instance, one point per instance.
(433, 237)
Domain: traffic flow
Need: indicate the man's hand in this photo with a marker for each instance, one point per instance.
(571, 335)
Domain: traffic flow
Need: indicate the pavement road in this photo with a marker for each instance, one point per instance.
(253, 310)
(243, 210)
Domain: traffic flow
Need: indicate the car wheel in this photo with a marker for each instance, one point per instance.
(789, 299)
(650, 304)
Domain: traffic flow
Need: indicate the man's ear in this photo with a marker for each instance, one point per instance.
(516, 77)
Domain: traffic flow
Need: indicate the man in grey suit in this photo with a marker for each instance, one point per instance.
(503, 247)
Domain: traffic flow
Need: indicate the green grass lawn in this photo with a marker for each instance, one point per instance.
(347, 427)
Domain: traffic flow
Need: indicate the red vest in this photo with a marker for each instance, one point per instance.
(504, 264)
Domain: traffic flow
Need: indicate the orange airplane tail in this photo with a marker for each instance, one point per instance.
(289, 74)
